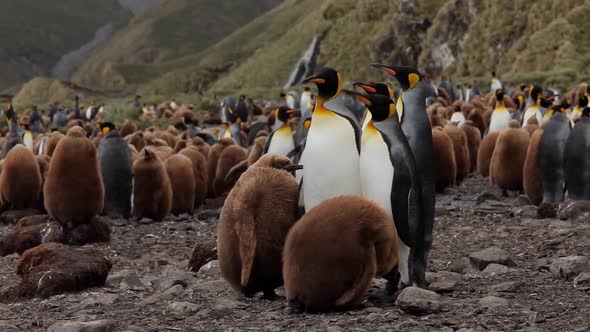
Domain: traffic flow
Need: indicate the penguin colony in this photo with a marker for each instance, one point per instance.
(324, 192)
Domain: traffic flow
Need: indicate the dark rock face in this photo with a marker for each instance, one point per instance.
(54, 268)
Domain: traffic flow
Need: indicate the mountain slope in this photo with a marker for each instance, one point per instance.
(166, 31)
(35, 34)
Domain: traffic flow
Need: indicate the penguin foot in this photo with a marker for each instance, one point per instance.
(296, 306)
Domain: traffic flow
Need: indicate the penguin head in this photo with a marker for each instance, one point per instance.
(408, 77)
(276, 161)
(375, 88)
(500, 95)
(232, 115)
(583, 102)
(106, 127)
(522, 86)
(328, 82)
(536, 93)
(283, 113)
(546, 102)
(381, 107)
(586, 111)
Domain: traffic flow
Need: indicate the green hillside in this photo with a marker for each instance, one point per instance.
(167, 31)
(35, 34)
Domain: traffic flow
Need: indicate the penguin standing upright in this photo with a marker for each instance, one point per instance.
(582, 102)
(389, 176)
(13, 137)
(577, 159)
(281, 141)
(332, 148)
(416, 126)
(234, 130)
(305, 100)
(379, 89)
(533, 105)
(551, 155)
(500, 116)
(116, 166)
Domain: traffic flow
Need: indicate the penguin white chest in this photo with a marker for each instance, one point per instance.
(331, 165)
(458, 117)
(529, 113)
(499, 121)
(282, 142)
(376, 169)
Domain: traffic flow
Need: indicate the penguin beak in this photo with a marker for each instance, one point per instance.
(364, 86)
(292, 168)
(385, 68)
(314, 79)
(291, 111)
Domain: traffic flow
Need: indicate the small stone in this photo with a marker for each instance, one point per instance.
(492, 302)
(582, 280)
(213, 286)
(98, 300)
(95, 326)
(132, 282)
(497, 269)
(508, 287)
(203, 253)
(167, 295)
(183, 308)
(441, 212)
(185, 279)
(332, 328)
(483, 258)
(574, 210)
(560, 224)
(443, 286)
(210, 270)
(527, 211)
(5, 326)
(443, 281)
(462, 265)
(569, 267)
(416, 300)
(486, 197)
(116, 277)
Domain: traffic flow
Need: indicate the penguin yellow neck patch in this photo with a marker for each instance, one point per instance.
(414, 79)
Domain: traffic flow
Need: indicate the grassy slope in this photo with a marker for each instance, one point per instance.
(167, 31)
(35, 34)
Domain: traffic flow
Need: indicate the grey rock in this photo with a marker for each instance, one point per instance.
(496, 269)
(416, 300)
(5, 326)
(483, 258)
(98, 300)
(492, 302)
(443, 281)
(116, 277)
(132, 282)
(182, 278)
(213, 286)
(486, 197)
(508, 287)
(527, 211)
(210, 270)
(582, 280)
(574, 210)
(183, 308)
(569, 267)
(167, 295)
(441, 212)
(94, 326)
(560, 224)
(462, 265)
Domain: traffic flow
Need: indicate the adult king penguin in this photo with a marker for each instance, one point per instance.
(389, 176)
(332, 148)
(551, 156)
(534, 105)
(281, 140)
(416, 126)
(500, 116)
(577, 159)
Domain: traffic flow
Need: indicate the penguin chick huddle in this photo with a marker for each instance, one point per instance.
(360, 206)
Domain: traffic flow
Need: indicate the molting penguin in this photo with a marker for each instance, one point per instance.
(389, 176)
(445, 172)
(74, 190)
(116, 166)
(152, 191)
(332, 148)
(551, 153)
(577, 159)
(335, 250)
(20, 179)
(228, 158)
(532, 177)
(500, 115)
(534, 105)
(416, 126)
(508, 159)
(281, 140)
(254, 221)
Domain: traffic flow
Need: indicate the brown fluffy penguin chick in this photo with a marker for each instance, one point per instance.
(436, 119)
(52, 143)
(74, 191)
(134, 153)
(484, 154)
(254, 221)
(127, 128)
(445, 171)
(199, 172)
(163, 151)
(531, 125)
(43, 162)
(531, 177)
(335, 250)
(200, 144)
(152, 191)
(182, 178)
(507, 163)
(166, 137)
(473, 141)
(212, 159)
(475, 115)
(180, 144)
(256, 150)
(136, 139)
(229, 157)
(461, 150)
(21, 181)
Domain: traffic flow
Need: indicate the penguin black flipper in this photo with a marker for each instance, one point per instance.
(236, 134)
(337, 106)
(406, 191)
(268, 140)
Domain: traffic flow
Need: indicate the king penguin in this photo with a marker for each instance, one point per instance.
(500, 116)
(551, 156)
(416, 126)
(332, 148)
(577, 159)
(281, 141)
(13, 137)
(389, 176)
(234, 130)
(534, 105)
(382, 89)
